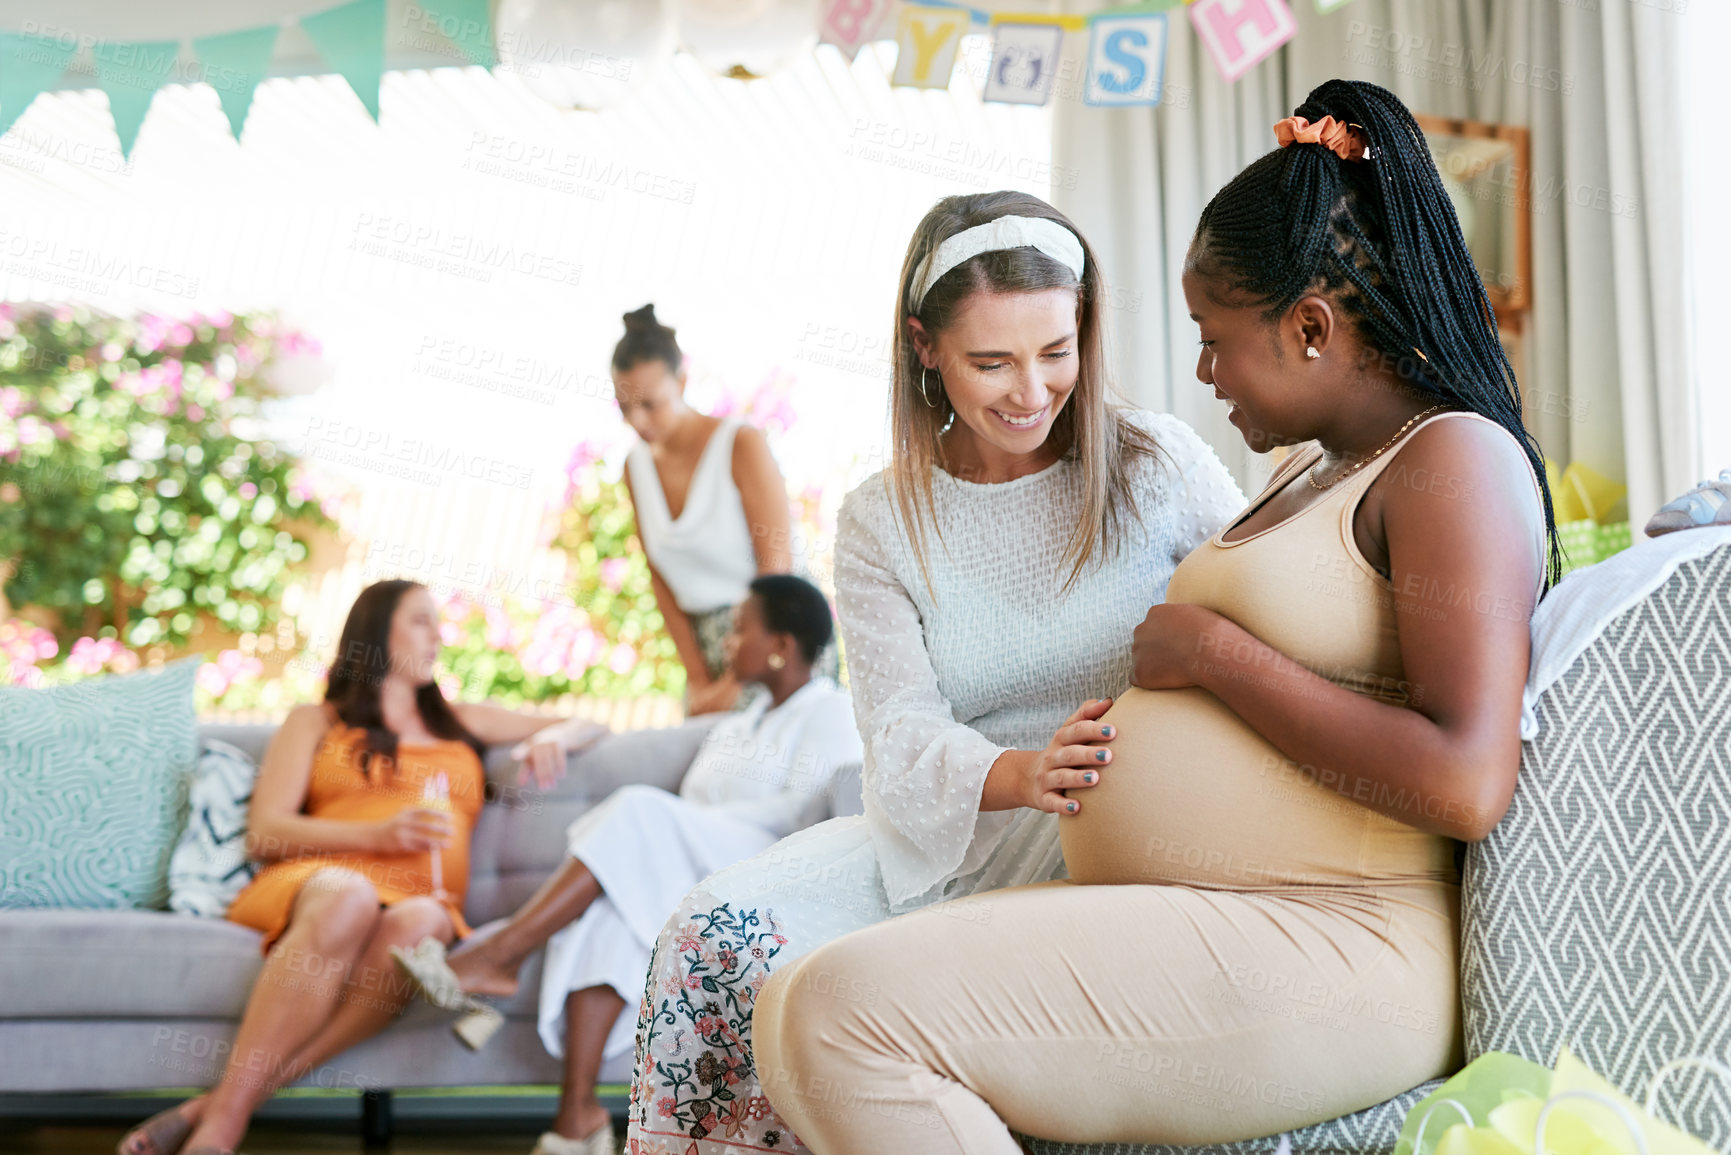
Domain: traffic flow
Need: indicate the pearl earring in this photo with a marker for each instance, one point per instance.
(1310, 351)
(776, 661)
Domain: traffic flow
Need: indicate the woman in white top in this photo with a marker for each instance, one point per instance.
(1047, 521)
(711, 506)
(761, 773)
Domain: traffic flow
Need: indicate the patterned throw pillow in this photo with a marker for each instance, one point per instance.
(93, 783)
(210, 865)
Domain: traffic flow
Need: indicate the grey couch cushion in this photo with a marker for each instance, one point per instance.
(1598, 913)
(122, 963)
(1374, 1129)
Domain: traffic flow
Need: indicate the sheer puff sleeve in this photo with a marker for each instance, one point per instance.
(923, 771)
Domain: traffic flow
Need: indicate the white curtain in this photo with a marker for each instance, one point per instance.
(1607, 374)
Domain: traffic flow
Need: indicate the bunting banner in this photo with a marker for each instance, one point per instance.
(929, 38)
(1240, 34)
(234, 64)
(352, 41)
(1125, 52)
(851, 24)
(130, 72)
(28, 65)
(1126, 60)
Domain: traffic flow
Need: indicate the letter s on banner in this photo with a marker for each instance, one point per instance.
(1126, 60)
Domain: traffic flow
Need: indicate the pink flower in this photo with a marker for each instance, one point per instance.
(664, 1106)
(248, 490)
(22, 645)
(623, 659)
(230, 668)
(613, 571)
(11, 401)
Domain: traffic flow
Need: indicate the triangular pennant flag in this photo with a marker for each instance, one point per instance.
(130, 72)
(28, 65)
(352, 41)
(234, 63)
(466, 23)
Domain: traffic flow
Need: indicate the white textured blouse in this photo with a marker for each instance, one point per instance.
(1002, 655)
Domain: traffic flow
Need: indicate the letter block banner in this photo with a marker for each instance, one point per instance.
(927, 40)
(1024, 63)
(1240, 34)
(849, 24)
(1126, 60)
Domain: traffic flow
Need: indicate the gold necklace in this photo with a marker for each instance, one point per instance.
(1310, 474)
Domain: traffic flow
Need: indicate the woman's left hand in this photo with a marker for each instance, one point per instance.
(1168, 649)
(543, 753)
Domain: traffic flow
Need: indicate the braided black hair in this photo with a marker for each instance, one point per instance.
(646, 339)
(1381, 237)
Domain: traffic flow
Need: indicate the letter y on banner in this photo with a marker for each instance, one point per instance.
(927, 40)
(1240, 34)
(1126, 60)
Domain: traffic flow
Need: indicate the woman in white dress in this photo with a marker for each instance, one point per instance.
(711, 505)
(980, 647)
(761, 773)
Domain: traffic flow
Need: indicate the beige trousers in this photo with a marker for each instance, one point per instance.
(1138, 1013)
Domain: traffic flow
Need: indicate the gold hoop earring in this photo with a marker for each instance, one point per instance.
(930, 404)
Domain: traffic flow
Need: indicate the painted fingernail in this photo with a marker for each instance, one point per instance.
(1088, 778)
(1099, 755)
(1071, 808)
(1105, 731)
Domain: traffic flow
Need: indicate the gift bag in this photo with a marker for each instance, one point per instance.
(1582, 500)
(1504, 1105)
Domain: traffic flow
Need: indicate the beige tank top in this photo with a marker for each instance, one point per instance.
(1195, 795)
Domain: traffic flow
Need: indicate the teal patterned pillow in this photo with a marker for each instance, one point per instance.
(93, 781)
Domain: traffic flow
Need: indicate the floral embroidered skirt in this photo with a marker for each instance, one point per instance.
(694, 1089)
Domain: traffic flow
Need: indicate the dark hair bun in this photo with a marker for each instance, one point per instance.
(640, 320)
(646, 339)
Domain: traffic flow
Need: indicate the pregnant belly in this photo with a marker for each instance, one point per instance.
(1193, 795)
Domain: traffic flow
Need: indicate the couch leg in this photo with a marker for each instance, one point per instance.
(377, 1127)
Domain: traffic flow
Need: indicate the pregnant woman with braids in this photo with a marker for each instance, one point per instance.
(987, 583)
(1328, 700)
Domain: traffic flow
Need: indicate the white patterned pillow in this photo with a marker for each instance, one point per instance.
(92, 788)
(210, 865)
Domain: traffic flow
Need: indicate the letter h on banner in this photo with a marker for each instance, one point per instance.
(1126, 60)
(1240, 34)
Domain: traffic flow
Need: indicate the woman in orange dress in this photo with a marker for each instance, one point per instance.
(363, 810)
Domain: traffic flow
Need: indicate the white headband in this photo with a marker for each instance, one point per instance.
(1048, 236)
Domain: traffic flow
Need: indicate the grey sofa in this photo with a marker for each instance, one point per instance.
(1598, 914)
(111, 1001)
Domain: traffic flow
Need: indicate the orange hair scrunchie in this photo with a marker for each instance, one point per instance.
(1346, 141)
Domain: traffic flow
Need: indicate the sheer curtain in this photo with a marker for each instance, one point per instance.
(1607, 358)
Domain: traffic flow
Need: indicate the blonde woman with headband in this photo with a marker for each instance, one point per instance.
(987, 583)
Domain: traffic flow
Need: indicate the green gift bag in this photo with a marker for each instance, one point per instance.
(1504, 1105)
(1586, 542)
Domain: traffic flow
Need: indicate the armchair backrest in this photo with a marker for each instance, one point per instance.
(1598, 913)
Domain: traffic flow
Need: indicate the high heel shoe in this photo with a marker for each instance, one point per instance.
(434, 980)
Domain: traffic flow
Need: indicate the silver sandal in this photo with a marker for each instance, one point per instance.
(434, 980)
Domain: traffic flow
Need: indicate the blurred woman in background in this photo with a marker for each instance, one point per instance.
(362, 812)
(711, 506)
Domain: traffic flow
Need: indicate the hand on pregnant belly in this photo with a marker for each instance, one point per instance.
(1169, 645)
(1072, 760)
